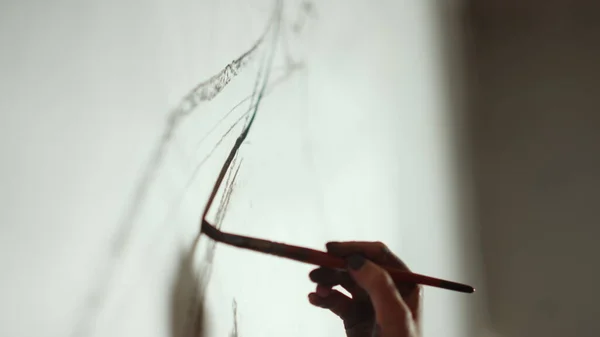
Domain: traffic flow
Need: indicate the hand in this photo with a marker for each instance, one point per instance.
(378, 307)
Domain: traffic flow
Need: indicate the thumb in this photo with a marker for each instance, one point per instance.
(392, 314)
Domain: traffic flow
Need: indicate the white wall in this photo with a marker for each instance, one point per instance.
(99, 212)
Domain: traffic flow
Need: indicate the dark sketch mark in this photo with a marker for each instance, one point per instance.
(205, 91)
(231, 167)
(228, 164)
(221, 120)
(308, 6)
(203, 276)
(288, 70)
(191, 295)
(220, 216)
(186, 290)
(287, 74)
(234, 330)
(234, 151)
(221, 211)
(307, 10)
(272, 85)
(212, 151)
(275, 83)
(242, 137)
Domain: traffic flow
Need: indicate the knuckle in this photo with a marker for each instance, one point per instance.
(381, 280)
(383, 249)
(380, 245)
(384, 255)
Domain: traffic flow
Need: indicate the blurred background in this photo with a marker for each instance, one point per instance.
(532, 130)
(463, 134)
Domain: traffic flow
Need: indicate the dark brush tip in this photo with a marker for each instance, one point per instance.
(463, 288)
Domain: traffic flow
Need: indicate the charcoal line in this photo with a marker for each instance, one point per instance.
(93, 303)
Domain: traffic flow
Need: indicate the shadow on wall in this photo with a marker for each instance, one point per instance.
(188, 307)
(188, 310)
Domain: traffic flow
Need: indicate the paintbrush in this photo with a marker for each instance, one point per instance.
(320, 258)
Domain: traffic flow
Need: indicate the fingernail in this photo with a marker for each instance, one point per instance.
(315, 300)
(323, 292)
(355, 262)
(331, 245)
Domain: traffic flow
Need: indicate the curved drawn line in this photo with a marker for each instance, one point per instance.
(234, 151)
(281, 79)
(192, 177)
(210, 250)
(224, 204)
(204, 91)
(242, 136)
(288, 70)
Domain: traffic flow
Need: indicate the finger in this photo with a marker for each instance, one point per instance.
(331, 277)
(377, 252)
(335, 301)
(414, 301)
(390, 310)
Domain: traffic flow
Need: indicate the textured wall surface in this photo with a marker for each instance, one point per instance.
(116, 116)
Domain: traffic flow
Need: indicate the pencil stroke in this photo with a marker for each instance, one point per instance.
(194, 173)
(220, 216)
(230, 175)
(222, 119)
(231, 157)
(192, 177)
(209, 89)
(221, 211)
(234, 330)
(308, 10)
(224, 196)
(240, 140)
(289, 69)
(204, 91)
(210, 153)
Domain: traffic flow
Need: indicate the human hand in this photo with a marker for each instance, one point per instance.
(378, 307)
